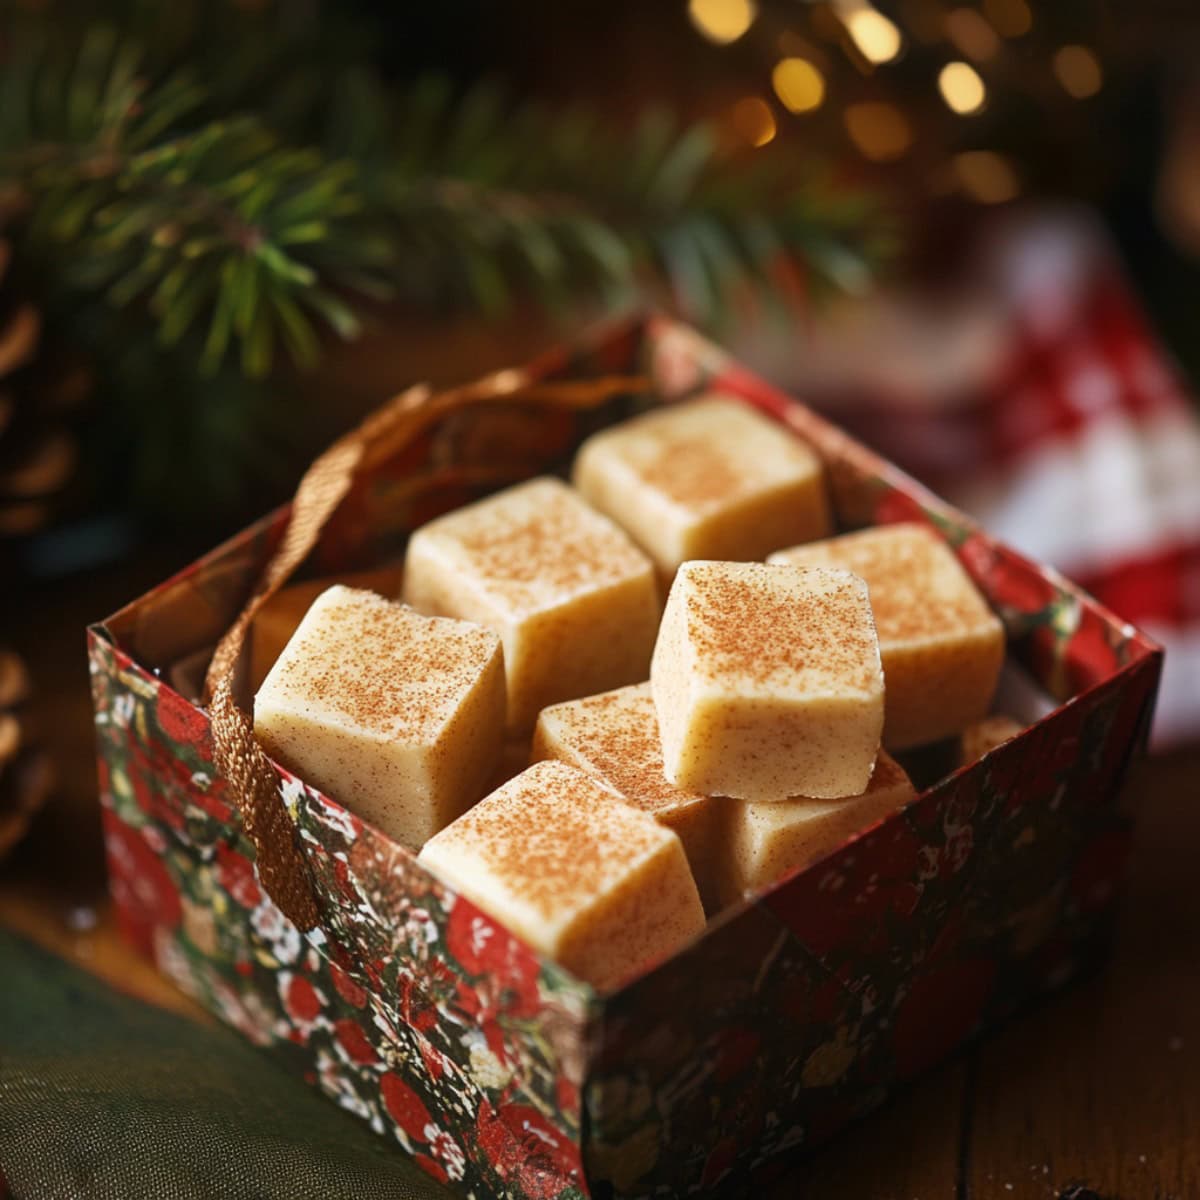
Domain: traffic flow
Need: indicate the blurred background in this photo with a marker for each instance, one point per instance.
(969, 229)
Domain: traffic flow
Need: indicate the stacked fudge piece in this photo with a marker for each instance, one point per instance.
(683, 756)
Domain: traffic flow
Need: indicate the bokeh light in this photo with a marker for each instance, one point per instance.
(722, 21)
(877, 38)
(1078, 70)
(753, 121)
(798, 84)
(880, 131)
(962, 88)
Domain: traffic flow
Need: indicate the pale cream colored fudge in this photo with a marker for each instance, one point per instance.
(614, 738)
(573, 599)
(761, 843)
(709, 479)
(396, 715)
(767, 682)
(942, 646)
(981, 736)
(276, 621)
(568, 866)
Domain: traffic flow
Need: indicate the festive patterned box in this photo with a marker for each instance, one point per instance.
(794, 1013)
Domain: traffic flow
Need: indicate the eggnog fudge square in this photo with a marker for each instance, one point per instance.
(767, 682)
(583, 877)
(942, 646)
(761, 843)
(614, 738)
(706, 479)
(276, 620)
(396, 715)
(573, 600)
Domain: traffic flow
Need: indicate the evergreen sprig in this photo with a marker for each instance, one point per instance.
(219, 221)
(248, 182)
(222, 225)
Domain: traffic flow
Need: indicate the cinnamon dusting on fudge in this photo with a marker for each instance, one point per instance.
(418, 670)
(675, 450)
(539, 835)
(615, 738)
(544, 542)
(918, 588)
(746, 622)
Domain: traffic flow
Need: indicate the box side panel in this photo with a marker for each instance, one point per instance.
(807, 1008)
(496, 1036)
(409, 1008)
(415, 1011)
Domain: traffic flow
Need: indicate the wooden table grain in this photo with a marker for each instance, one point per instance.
(1096, 1093)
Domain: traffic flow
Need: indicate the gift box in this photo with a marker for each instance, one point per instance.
(796, 1011)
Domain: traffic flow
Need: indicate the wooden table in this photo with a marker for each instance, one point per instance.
(1096, 1090)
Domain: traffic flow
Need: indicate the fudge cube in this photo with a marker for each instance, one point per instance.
(767, 682)
(396, 715)
(942, 646)
(276, 621)
(980, 737)
(614, 738)
(568, 866)
(764, 842)
(708, 479)
(573, 600)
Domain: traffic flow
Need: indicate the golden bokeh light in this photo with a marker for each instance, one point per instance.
(722, 21)
(1078, 70)
(968, 29)
(880, 131)
(1010, 18)
(877, 38)
(753, 121)
(962, 88)
(798, 84)
(986, 177)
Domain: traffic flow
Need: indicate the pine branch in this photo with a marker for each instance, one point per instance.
(219, 221)
(569, 202)
(224, 226)
(241, 178)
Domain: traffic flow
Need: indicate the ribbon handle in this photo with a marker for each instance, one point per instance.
(251, 777)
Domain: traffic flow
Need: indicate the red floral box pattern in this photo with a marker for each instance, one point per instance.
(796, 1012)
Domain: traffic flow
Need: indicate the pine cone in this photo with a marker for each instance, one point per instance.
(37, 450)
(25, 773)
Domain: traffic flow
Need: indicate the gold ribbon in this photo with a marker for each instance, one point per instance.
(252, 780)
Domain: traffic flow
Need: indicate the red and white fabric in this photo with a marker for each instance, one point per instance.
(1036, 397)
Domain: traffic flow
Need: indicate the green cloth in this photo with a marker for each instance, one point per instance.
(103, 1097)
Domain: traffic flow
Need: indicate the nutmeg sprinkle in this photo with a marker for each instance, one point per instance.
(767, 681)
(554, 837)
(919, 590)
(804, 629)
(381, 666)
(615, 737)
(536, 545)
(709, 453)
